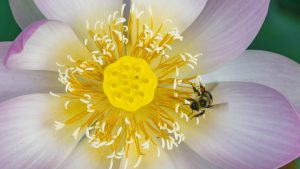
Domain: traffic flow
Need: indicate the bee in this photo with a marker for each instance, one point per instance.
(201, 101)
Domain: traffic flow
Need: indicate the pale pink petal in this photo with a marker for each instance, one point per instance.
(148, 161)
(185, 158)
(43, 44)
(28, 137)
(85, 156)
(21, 82)
(25, 12)
(182, 12)
(77, 12)
(4, 46)
(178, 158)
(255, 128)
(222, 32)
(262, 67)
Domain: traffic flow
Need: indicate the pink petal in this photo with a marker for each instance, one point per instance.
(28, 138)
(42, 44)
(163, 10)
(265, 68)
(25, 12)
(76, 12)
(223, 31)
(258, 128)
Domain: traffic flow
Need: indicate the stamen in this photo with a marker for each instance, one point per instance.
(138, 162)
(158, 152)
(197, 120)
(76, 133)
(66, 104)
(111, 164)
(127, 121)
(177, 108)
(191, 66)
(71, 59)
(122, 10)
(58, 125)
(110, 143)
(119, 132)
(60, 65)
(53, 94)
(103, 127)
(86, 41)
(187, 102)
(183, 115)
(126, 164)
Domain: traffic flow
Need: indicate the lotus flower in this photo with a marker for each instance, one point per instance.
(147, 84)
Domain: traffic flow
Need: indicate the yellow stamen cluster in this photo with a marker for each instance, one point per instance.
(154, 123)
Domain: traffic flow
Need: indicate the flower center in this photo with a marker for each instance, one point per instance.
(127, 95)
(129, 83)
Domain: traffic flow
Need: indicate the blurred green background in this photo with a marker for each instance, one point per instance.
(281, 30)
(280, 33)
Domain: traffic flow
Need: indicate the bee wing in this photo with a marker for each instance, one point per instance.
(221, 107)
(211, 86)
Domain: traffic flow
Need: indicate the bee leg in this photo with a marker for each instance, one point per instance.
(191, 113)
(202, 87)
(200, 114)
(195, 90)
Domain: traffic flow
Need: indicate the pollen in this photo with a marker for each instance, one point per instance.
(129, 83)
(127, 95)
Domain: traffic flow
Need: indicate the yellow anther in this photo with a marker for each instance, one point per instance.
(129, 83)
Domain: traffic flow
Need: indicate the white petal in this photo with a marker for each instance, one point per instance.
(43, 44)
(25, 12)
(182, 12)
(76, 12)
(264, 68)
(28, 138)
(223, 32)
(257, 129)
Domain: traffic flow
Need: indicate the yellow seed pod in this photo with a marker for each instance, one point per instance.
(129, 83)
